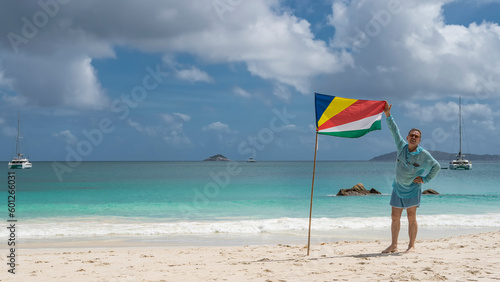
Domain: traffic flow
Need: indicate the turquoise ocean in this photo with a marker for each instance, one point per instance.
(237, 203)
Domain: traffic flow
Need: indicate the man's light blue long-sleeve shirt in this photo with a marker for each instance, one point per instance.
(410, 165)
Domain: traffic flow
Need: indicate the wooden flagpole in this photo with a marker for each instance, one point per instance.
(312, 192)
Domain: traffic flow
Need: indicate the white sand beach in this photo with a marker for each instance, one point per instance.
(473, 257)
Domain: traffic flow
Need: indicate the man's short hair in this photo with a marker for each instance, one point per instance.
(415, 129)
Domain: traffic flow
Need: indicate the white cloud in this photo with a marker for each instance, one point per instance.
(276, 46)
(194, 75)
(241, 92)
(409, 50)
(52, 80)
(217, 126)
(184, 117)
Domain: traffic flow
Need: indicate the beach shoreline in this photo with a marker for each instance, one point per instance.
(460, 258)
(235, 240)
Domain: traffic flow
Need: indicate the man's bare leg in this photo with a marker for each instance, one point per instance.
(395, 226)
(412, 227)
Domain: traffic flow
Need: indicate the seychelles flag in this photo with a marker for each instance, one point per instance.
(344, 117)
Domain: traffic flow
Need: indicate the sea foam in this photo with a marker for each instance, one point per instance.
(91, 227)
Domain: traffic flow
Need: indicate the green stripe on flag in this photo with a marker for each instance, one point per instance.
(355, 133)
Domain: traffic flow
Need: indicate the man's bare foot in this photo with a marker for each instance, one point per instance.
(390, 249)
(410, 250)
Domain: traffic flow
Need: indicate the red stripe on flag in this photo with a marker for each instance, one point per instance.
(358, 110)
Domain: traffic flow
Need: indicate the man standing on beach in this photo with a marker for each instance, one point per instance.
(412, 162)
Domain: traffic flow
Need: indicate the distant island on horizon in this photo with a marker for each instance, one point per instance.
(216, 158)
(440, 156)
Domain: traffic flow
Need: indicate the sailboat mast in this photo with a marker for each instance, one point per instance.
(17, 140)
(460, 125)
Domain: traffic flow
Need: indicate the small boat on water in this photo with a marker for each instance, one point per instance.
(19, 161)
(460, 162)
(251, 160)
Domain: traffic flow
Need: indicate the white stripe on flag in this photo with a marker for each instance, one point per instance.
(355, 125)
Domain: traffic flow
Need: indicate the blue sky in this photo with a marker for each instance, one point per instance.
(184, 80)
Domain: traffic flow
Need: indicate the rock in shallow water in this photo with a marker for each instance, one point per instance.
(357, 190)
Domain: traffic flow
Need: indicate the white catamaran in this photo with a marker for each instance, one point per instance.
(19, 161)
(460, 162)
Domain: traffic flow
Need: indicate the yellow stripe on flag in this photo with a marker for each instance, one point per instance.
(337, 105)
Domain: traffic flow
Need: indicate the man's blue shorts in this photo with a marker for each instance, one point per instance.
(402, 203)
